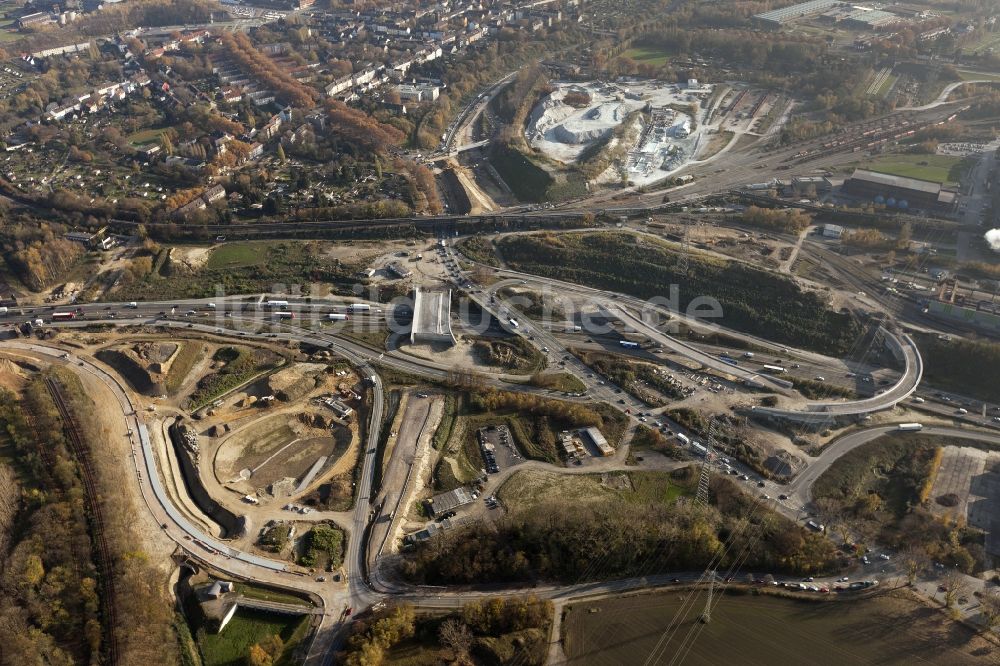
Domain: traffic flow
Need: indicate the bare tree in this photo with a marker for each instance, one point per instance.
(955, 585)
(914, 561)
(455, 636)
(990, 607)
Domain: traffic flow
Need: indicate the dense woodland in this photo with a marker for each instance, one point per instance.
(567, 542)
(753, 300)
(50, 609)
(37, 254)
(970, 367)
(490, 631)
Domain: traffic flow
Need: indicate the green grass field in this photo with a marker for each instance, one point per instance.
(935, 168)
(752, 630)
(232, 255)
(180, 367)
(647, 55)
(973, 76)
(146, 136)
(886, 86)
(267, 594)
(231, 646)
(990, 40)
(532, 487)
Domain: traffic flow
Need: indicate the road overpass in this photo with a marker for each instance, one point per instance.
(809, 412)
(822, 412)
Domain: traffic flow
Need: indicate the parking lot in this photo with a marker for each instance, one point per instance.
(498, 448)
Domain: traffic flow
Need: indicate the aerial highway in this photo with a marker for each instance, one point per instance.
(807, 411)
(905, 387)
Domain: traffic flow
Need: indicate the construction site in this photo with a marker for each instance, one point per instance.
(652, 125)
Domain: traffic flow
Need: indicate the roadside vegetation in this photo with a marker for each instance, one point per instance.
(733, 437)
(491, 631)
(753, 300)
(323, 547)
(513, 353)
(636, 377)
(238, 268)
(558, 381)
(814, 390)
(479, 249)
(968, 367)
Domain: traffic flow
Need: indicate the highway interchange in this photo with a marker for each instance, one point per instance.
(239, 318)
(364, 589)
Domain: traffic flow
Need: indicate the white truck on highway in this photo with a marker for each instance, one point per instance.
(910, 427)
(337, 317)
(133, 305)
(359, 307)
(513, 322)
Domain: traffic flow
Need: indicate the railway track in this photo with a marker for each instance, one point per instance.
(105, 563)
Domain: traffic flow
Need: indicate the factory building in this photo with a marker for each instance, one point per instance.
(779, 17)
(864, 18)
(898, 192)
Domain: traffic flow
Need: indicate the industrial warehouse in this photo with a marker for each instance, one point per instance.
(898, 191)
(833, 12)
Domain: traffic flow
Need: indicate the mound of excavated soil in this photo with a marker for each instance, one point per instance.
(136, 374)
(294, 382)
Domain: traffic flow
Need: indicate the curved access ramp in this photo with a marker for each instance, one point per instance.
(819, 412)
